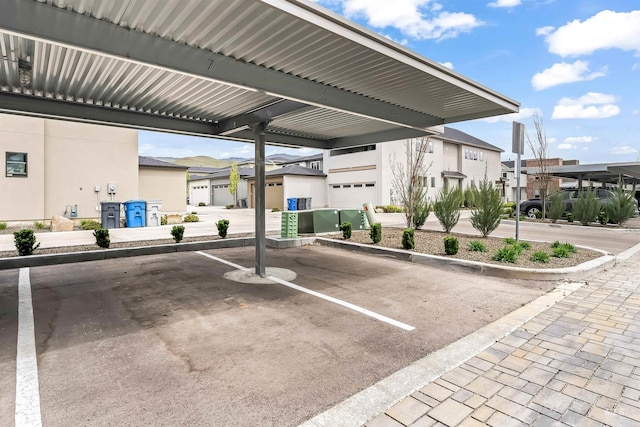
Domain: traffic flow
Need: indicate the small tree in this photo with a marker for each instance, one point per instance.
(621, 207)
(234, 179)
(447, 207)
(345, 227)
(222, 226)
(586, 208)
(540, 149)
(408, 241)
(409, 184)
(177, 231)
(421, 213)
(485, 216)
(376, 232)
(25, 242)
(556, 209)
(102, 237)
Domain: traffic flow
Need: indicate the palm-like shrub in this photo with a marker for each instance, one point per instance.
(557, 207)
(447, 207)
(485, 216)
(587, 207)
(620, 207)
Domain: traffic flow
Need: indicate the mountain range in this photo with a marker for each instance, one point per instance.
(212, 162)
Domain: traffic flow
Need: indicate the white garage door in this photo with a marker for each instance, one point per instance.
(352, 195)
(220, 195)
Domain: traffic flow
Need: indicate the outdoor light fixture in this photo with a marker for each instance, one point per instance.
(24, 71)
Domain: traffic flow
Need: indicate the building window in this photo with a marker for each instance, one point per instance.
(346, 186)
(433, 182)
(315, 165)
(351, 150)
(482, 156)
(16, 164)
(425, 181)
(357, 185)
(466, 153)
(336, 186)
(369, 185)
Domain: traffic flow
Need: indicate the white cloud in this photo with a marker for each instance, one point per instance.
(635, 112)
(544, 31)
(447, 64)
(504, 3)
(524, 113)
(566, 146)
(593, 105)
(635, 67)
(552, 140)
(623, 149)
(578, 139)
(605, 30)
(402, 42)
(418, 19)
(564, 73)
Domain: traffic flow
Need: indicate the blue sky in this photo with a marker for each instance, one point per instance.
(575, 63)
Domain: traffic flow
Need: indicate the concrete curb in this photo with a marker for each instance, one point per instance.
(603, 263)
(71, 257)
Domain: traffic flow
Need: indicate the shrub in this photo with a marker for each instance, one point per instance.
(569, 217)
(586, 207)
(451, 245)
(560, 252)
(102, 237)
(232, 206)
(177, 231)
(538, 215)
(510, 209)
(163, 220)
(3, 225)
(477, 246)
(191, 218)
(408, 241)
(507, 253)
(376, 232)
(38, 225)
(510, 241)
(621, 207)
(345, 227)
(485, 216)
(603, 218)
(447, 207)
(420, 214)
(25, 242)
(568, 246)
(89, 224)
(556, 209)
(202, 204)
(223, 226)
(525, 245)
(470, 197)
(540, 256)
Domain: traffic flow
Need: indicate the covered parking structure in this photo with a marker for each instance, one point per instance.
(603, 173)
(284, 71)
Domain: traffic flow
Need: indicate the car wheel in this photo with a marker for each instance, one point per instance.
(531, 212)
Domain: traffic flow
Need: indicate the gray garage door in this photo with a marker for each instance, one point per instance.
(220, 195)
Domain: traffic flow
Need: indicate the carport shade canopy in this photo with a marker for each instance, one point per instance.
(284, 71)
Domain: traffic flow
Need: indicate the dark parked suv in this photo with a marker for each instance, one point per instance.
(529, 207)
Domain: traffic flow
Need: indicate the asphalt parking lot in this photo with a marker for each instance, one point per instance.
(167, 340)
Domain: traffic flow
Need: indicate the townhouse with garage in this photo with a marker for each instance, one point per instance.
(213, 189)
(358, 175)
(55, 167)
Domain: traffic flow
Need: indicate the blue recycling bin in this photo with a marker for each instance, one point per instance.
(135, 213)
(292, 204)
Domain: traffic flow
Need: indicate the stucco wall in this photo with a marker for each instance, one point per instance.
(165, 184)
(22, 198)
(79, 157)
(306, 186)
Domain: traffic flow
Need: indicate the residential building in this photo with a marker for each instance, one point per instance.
(213, 189)
(293, 181)
(162, 181)
(364, 174)
(314, 161)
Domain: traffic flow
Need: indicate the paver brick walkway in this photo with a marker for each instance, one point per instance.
(577, 363)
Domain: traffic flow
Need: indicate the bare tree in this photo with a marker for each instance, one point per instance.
(409, 184)
(540, 149)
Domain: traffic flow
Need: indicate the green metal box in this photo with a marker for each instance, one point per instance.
(357, 218)
(318, 221)
(289, 225)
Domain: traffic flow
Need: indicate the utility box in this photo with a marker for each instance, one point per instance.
(357, 218)
(318, 221)
(154, 213)
(289, 225)
(134, 213)
(110, 214)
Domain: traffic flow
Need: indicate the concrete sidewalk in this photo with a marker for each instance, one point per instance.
(575, 363)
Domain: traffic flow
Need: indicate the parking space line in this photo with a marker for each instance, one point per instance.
(345, 304)
(27, 388)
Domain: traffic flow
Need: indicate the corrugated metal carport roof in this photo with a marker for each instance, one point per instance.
(212, 67)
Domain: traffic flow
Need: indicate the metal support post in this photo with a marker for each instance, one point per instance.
(260, 228)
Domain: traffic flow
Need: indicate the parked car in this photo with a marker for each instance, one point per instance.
(529, 207)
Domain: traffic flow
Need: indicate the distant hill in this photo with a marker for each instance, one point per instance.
(204, 161)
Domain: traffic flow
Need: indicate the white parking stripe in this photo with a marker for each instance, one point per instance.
(319, 295)
(27, 388)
